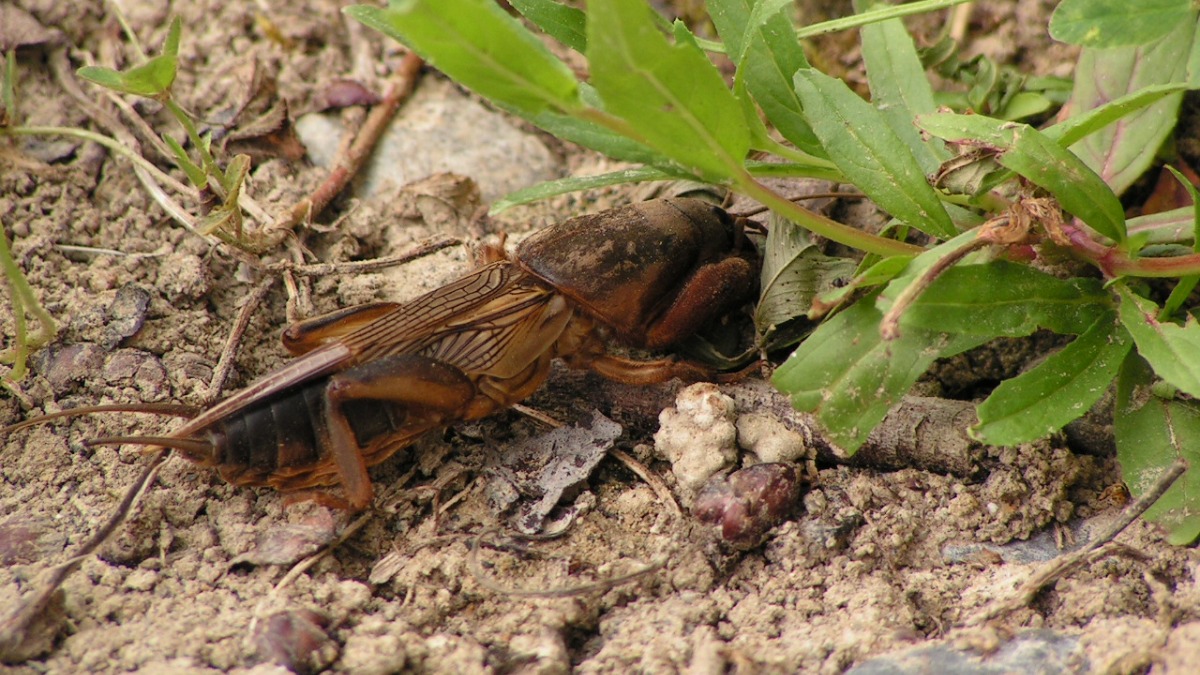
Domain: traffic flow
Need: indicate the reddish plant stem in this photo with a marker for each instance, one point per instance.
(347, 165)
(1116, 263)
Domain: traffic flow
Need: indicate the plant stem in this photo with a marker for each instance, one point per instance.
(206, 158)
(94, 137)
(820, 225)
(23, 300)
(889, 325)
(759, 169)
(1179, 295)
(1115, 262)
(824, 168)
(875, 15)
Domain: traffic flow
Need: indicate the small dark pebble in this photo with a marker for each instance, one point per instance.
(747, 503)
(287, 544)
(342, 93)
(296, 639)
(26, 539)
(140, 369)
(126, 314)
(64, 367)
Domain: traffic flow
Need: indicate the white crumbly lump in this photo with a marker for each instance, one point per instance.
(769, 439)
(698, 436)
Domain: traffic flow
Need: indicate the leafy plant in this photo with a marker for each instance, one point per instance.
(216, 186)
(153, 79)
(973, 198)
(991, 88)
(24, 302)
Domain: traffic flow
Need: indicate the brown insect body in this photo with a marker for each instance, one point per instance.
(654, 272)
(369, 380)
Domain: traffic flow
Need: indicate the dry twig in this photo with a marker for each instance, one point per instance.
(421, 250)
(346, 166)
(660, 488)
(481, 577)
(229, 351)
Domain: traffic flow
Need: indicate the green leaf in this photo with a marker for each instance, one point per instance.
(107, 78)
(553, 188)
(1072, 130)
(762, 42)
(877, 274)
(591, 135)
(794, 271)
(1151, 434)
(879, 13)
(1194, 193)
(1170, 349)
(1184, 287)
(1002, 298)
(1192, 74)
(566, 24)
(171, 44)
(479, 45)
(1117, 23)
(862, 144)
(737, 21)
(817, 169)
(225, 221)
(899, 88)
(1041, 161)
(152, 78)
(1062, 388)
(1164, 227)
(849, 377)
(669, 95)
(760, 135)
(1121, 152)
(1025, 104)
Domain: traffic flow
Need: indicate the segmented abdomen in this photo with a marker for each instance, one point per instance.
(276, 442)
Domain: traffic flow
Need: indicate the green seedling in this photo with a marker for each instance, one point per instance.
(24, 305)
(21, 297)
(153, 79)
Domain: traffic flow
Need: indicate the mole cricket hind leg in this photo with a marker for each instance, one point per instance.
(401, 379)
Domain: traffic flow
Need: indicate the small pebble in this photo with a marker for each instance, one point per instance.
(748, 503)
